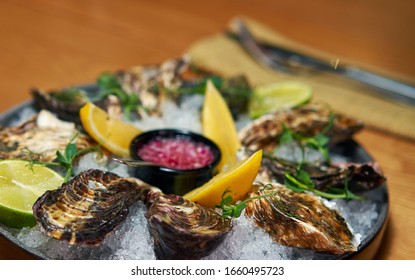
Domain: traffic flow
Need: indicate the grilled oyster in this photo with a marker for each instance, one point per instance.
(43, 135)
(184, 230)
(359, 177)
(307, 120)
(88, 207)
(300, 220)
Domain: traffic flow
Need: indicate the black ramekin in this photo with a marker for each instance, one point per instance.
(171, 180)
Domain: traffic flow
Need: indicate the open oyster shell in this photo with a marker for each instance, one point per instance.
(307, 120)
(300, 220)
(359, 176)
(40, 137)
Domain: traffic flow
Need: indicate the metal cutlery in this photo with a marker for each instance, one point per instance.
(288, 61)
(134, 163)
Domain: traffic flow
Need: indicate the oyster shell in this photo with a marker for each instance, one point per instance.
(184, 230)
(66, 103)
(147, 81)
(300, 220)
(359, 177)
(43, 135)
(88, 207)
(308, 120)
(91, 205)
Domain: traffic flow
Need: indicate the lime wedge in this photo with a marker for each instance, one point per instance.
(20, 187)
(275, 96)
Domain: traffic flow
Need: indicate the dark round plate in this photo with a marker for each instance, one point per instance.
(350, 150)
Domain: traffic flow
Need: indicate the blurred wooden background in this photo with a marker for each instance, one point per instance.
(51, 44)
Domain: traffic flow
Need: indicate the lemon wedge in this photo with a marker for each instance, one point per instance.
(275, 96)
(238, 179)
(113, 134)
(20, 187)
(219, 126)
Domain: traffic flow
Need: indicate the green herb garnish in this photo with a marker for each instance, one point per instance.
(235, 90)
(318, 142)
(66, 159)
(230, 210)
(72, 95)
(301, 182)
(198, 86)
(109, 85)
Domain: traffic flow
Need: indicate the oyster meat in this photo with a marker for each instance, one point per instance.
(308, 120)
(184, 230)
(151, 83)
(42, 135)
(146, 83)
(300, 220)
(88, 207)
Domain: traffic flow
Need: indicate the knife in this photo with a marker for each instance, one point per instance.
(284, 59)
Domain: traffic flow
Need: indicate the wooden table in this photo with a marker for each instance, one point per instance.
(50, 44)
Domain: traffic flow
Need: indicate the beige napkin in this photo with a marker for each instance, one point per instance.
(224, 56)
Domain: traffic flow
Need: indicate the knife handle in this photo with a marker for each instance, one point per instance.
(397, 90)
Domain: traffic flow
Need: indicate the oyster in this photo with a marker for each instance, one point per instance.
(42, 135)
(359, 177)
(66, 103)
(88, 207)
(91, 205)
(184, 230)
(154, 83)
(307, 120)
(300, 220)
(143, 89)
(146, 82)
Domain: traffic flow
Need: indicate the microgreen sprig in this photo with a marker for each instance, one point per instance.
(317, 142)
(65, 160)
(109, 85)
(230, 210)
(199, 86)
(301, 182)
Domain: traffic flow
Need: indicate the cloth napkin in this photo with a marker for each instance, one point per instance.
(225, 56)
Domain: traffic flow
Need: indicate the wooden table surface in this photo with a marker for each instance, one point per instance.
(50, 44)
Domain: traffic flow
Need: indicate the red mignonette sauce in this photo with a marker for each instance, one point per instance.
(180, 153)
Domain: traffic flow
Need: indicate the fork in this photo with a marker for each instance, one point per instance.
(257, 51)
(291, 62)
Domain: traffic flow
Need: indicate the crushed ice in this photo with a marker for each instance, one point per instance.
(132, 239)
